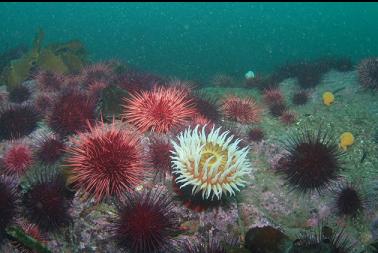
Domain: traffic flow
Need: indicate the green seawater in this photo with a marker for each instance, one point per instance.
(197, 40)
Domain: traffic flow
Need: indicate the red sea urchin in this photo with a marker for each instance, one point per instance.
(146, 222)
(70, 113)
(160, 110)
(312, 161)
(106, 161)
(17, 159)
(46, 200)
(17, 121)
(211, 245)
(368, 73)
(243, 110)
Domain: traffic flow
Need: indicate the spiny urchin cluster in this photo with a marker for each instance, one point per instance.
(211, 163)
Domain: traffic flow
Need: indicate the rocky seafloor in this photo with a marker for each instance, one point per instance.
(266, 200)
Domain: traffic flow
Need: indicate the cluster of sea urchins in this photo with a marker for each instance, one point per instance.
(107, 161)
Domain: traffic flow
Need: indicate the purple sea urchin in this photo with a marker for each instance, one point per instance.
(277, 109)
(255, 134)
(368, 73)
(206, 106)
(300, 97)
(349, 199)
(50, 149)
(46, 200)
(264, 239)
(145, 222)
(71, 112)
(19, 94)
(17, 121)
(211, 245)
(324, 239)
(312, 161)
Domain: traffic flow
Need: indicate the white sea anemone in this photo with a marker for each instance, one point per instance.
(212, 163)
